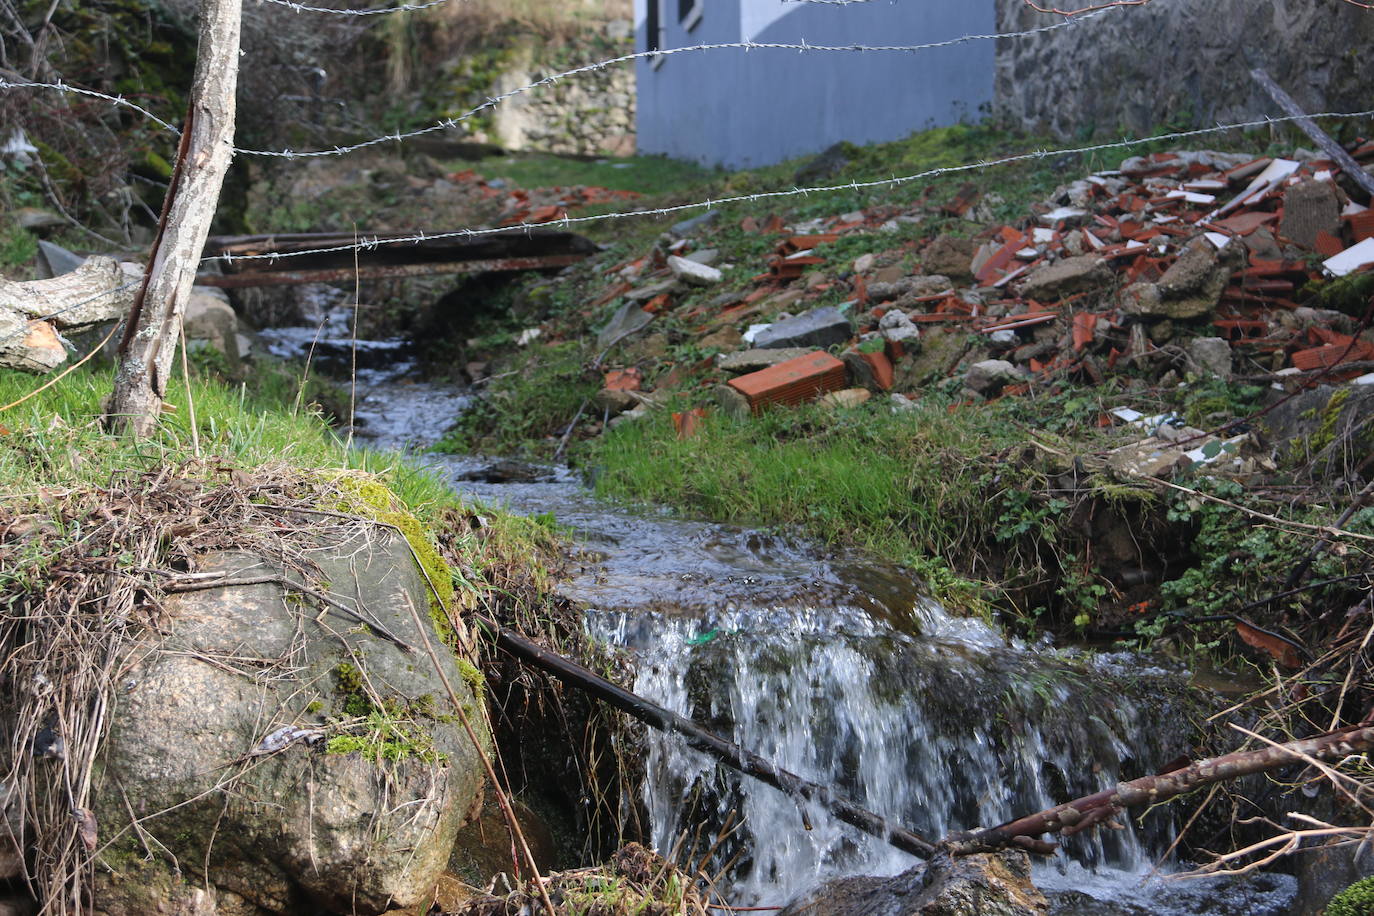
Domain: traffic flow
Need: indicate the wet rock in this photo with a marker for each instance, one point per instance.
(988, 376)
(951, 256)
(1066, 277)
(1310, 208)
(303, 829)
(818, 328)
(507, 471)
(692, 272)
(981, 885)
(627, 319)
(756, 359)
(1212, 356)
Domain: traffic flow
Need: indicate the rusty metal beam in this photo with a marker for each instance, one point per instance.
(378, 271)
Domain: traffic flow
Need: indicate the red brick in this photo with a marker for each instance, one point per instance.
(793, 381)
(882, 368)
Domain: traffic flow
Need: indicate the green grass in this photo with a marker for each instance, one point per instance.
(55, 439)
(909, 487)
(650, 175)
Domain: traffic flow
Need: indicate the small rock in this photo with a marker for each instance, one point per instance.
(707, 256)
(1066, 277)
(693, 273)
(528, 336)
(36, 220)
(628, 319)
(614, 401)
(897, 327)
(818, 328)
(209, 317)
(1003, 339)
(725, 340)
(864, 263)
(848, 397)
(951, 256)
(689, 226)
(645, 293)
(988, 376)
(1212, 355)
(901, 402)
(54, 260)
(732, 402)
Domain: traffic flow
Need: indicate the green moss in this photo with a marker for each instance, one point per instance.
(368, 496)
(314, 708)
(1355, 900)
(473, 677)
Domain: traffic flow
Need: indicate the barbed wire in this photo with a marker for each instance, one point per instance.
(449, 123)
(375, 11)
(375, 241)
(61, 86)
(747, 45)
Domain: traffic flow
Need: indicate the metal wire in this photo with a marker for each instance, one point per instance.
(802, 46)
(448, 123)
(370, 243)
(376, 11)
(76, 90)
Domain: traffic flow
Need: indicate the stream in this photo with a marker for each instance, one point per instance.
(840, 670)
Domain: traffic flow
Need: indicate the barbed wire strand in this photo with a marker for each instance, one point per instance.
(491, 102)
(374, 11)
(375, 241)
(747, 45)
(61, 86)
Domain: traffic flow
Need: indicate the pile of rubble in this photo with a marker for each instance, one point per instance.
(1173, 264)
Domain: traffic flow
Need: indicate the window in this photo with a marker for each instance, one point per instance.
(689, 13)
(654, 30)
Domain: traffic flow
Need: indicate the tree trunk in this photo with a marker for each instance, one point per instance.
(207, 145)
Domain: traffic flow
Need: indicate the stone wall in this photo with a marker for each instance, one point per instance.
(1181, 63)
(591, 114)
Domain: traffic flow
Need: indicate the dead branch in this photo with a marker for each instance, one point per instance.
(1149, 790)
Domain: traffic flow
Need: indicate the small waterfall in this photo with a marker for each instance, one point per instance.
(940, 731)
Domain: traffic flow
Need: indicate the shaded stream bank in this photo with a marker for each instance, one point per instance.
(839, 670)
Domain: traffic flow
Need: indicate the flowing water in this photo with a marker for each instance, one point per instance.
(841, 671)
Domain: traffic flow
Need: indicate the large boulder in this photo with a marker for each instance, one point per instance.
(981, 885)
(284, 754)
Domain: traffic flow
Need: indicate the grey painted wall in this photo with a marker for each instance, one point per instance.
(743, 109)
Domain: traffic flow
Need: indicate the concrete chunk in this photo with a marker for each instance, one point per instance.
(819, 328)
(753, 360)
(1066, 277)
(692, 272)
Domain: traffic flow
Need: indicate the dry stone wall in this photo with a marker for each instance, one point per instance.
(591, 114)
(1181, 63)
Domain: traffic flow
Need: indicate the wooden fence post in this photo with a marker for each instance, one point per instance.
(154, 324)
